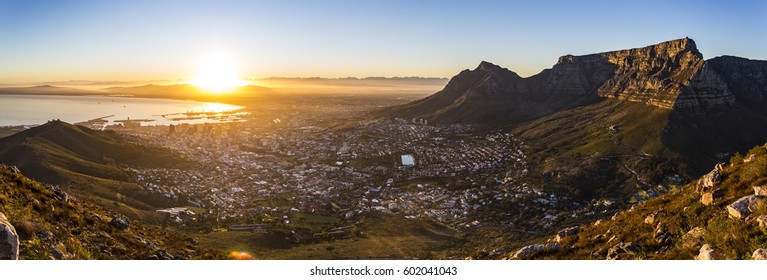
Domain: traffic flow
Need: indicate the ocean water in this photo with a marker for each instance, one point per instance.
(38, 109)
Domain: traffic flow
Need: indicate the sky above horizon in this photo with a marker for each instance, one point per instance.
(150, 40)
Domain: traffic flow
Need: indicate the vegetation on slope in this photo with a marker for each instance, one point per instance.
(53, 225)
(89, 163)
(678, 224)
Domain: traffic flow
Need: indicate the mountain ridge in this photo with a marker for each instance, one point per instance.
(668, 75)
(602, 124)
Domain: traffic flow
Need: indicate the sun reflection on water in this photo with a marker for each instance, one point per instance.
(218, 107)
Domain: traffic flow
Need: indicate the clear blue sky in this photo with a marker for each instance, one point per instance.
(129, 40)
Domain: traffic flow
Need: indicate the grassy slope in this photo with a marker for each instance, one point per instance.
(678, 213)
(378, 236)
(576, 150)
(80, 230)
(88, 163)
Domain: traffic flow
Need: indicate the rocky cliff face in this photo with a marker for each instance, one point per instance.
(745, 78)
(668, 75)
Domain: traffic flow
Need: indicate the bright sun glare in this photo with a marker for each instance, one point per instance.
(217, 74)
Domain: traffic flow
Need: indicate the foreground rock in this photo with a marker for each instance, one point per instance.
(533, 250)
(708, 198)
(693, 237)
(9, 240)
(743, 207)
(762, 220)
(121, 223)
(706, 253)
(760, 190)
(565, 233)
(710, 180)
(759, 254)
(623, 251)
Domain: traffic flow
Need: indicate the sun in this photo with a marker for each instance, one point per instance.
(216, 73)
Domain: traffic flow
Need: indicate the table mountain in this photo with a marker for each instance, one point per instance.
(603, 123)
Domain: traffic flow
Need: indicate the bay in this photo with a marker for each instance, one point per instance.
(18, 110)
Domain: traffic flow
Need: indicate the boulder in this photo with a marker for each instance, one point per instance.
(9, 240)
(760, 190)
(707, 252)
(710, 180)
(650, 219)
(163, 255)
(759, 254)
(57, 254)
(623, 250)
(693, 237)
(121, 223)
(750, 158)
(743, 207)
(58, 193)
(708, 198)
(565, 233)
(532, 250)
(662, 236)
(762, 220)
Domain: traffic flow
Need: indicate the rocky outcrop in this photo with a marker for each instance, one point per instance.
(759, 254)
(760, 190)
(743, 207)
(121, 223)
(710, 180)
(709, 197)
(623, 251)
(745, 78)
(693, 237)
(565, 233)
(9, 240)
(650, 219)
(707, 252)
(668, 75)
(662, 236)
(762, 221)
(533, 250)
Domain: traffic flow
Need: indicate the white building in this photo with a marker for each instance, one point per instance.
(408, 160)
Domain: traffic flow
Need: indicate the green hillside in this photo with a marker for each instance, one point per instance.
(90, 164)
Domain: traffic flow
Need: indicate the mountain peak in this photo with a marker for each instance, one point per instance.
(684, 44)
(484, 65)
(488, 67)
(668, 48)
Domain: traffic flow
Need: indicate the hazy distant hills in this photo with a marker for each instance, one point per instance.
(46, 90)
(187, 91)
(274, 87)
(616, 118)
(89, 162)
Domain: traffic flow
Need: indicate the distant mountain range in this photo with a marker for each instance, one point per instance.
(601, 121)
(275, 87)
